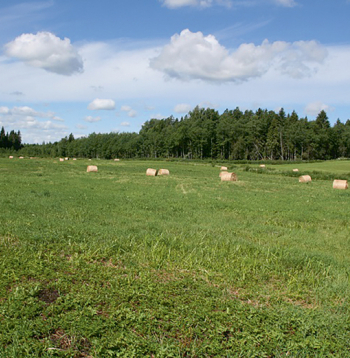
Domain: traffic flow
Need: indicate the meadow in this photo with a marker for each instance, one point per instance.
(118, 264)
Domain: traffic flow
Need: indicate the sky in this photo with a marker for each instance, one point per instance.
(105, 66)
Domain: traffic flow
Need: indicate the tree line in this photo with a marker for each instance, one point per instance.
(204, 133)
(11, 141)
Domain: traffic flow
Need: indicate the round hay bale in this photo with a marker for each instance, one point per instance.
(295, 170)
(262, 166)
(163, 172)
(11, 157)
(74, 158)
(305, 179)
(91, 168)
(340, 184)
(228, 177)
(151, 172)
(66, 158)
(222, 173)
(223, 168)
(116, 160)
(61, 160)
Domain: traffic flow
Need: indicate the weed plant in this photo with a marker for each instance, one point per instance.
(117, 264)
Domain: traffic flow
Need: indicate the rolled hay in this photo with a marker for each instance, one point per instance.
(74, 158)
(305, 179)
(116, 160)
(66, 158)
(228, 177)
(11, 157)
(340, 184)
(262, 166)
(222, 173)
(91, 168)
(61, 160)
(223, 168)
(295, 170)
(151, 172)
(21, 157)
(163, 172)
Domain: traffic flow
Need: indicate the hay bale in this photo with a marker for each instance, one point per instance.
(305, 179)
(151, 172)
(116, 160)
(223, 168)
(295, 170)
(91, 168)
(163, 172)
(21, 157)
(262, 166)
(61, 160)
(228, 177)
(340, 184)
(11, 157)
(74, 158)
(66, 158)
(222, 173)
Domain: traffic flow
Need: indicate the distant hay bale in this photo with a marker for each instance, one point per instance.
(21, 157)
(223, 168)
(228, 177)
(74, 158)
(91, 168)
(222, 173)
(66, 158)
(31, 158)
(262, 166)
(61, 160)
(11, 157)
(305, 179)
(295, 170)
(151, 172)
(163, 172)
(340, 184)
(116, 160)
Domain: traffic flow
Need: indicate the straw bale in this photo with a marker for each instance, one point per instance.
(151, 172)
(295, 170)
(340, 184)
(116, 160)
(222, 173)
(262, 166)
(74, 158)
(11, 157)
(223, 168)
(305, 179)
(21, 157)
(163, 172)
(228, 177)
(61, 160)
(91, 168)
(66, 158)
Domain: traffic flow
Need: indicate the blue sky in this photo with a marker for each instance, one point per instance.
(98, 66)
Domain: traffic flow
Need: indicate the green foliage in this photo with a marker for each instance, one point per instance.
(117, 264)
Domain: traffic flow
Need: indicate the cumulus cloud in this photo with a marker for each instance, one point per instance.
(92, 119)
(314, 108)
(195, 56)
(47, 51)
(125, 124)
(105, 104)
(4, 110)
(131, 112)
(182, 108)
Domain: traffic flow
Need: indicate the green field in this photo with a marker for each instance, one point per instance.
(117, 264)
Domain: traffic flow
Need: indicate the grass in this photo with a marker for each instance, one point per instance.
(117, 264)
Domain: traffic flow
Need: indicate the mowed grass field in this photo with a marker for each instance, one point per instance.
(117, 264)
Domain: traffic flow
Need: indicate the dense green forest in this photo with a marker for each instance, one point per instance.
(204, 133)
(10, 141)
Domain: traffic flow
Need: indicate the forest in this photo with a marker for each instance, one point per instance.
(206, 134)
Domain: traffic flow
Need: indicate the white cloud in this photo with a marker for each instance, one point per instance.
(174, 4)
(4, 110)
(314, 108)
(182, 108)
(125, 124)
(287, 3)
(47, 51)
(105, 104)
(195, 56)
(92, 119)
(131, 112)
